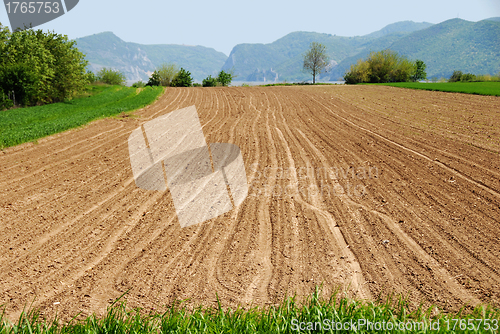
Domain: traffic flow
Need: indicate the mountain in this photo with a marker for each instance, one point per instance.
(282, 59)
(399, 27)
(450, 45)
(447, 46)
(455, 45)
(137, 61)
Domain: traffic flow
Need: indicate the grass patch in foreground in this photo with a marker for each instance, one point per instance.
(23, 125)
(313, 316)
(480, 88)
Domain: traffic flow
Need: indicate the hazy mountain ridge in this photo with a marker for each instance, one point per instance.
(450, 45)
(447, 46)
(399, 27)
(455, 45)
(137, 61)
(283, 58)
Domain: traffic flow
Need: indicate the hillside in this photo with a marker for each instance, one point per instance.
(282, 59)
(455, 45)
(398, 27)
(451, 45)
(137, 61)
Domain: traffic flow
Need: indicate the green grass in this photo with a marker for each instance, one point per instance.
(284, 318)
(479, 88)
(23, 125)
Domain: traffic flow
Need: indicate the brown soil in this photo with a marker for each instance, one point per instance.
(373, 189)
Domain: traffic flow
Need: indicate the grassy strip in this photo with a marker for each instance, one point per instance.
(314, 315)
(22, 125)
(480, 88)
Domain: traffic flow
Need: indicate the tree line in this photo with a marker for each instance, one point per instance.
(38, 68)
(379, 67)
(166, 75)
(169, 74)
(385, 66)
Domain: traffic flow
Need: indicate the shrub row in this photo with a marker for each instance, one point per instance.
(385, 66)
(39, 67)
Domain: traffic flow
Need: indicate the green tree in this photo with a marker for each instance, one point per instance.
(4, 38)
(380, 67)
(456, 76)
(111, 77)
(389, 66)
(24, 48)
(5, 102)
(209, 82)
(154, 80)
(69, 65)
(167, 73)
(91, 77)
(20, 80)
(316, 60)
(224, 78)
(360, 72)
(468, 77)
(51, 60)
(419, 73)
(182, 79)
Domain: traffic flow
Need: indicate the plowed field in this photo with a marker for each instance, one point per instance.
(373, 189)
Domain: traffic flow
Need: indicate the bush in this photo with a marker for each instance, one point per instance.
(91, 77)
(224, 78)
(385, 66)
(419, 73)
(138, 84)
(465, 77)
(167, 72)
(19, 79)
(182, 79)
(40, 67)
(456, 76)
(209, 82)
(358, 73)
(5, 102)
(468, 77)
(197, 84)
(487, 77)
(154, 80)
(111, 77)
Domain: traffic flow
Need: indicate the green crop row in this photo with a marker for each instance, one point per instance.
(314, 315)
(479, 88)
(23, 125)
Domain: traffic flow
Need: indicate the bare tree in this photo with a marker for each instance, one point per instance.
(316, 60)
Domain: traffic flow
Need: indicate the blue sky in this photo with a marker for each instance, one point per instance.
(221, 24)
